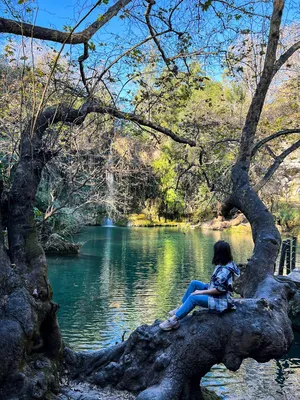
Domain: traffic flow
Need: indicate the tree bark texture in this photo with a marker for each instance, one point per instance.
(30, 341)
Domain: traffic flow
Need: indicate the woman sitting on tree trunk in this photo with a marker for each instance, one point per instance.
(215, 296)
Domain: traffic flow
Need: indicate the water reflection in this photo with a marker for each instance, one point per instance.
(127, 277)
(276, 380)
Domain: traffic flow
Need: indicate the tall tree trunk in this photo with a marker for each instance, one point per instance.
(30, 340)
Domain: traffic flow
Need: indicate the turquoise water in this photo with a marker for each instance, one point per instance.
(126, 277)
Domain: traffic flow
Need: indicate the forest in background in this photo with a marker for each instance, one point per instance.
(122, 170)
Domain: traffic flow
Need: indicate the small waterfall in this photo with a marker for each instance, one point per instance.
(110, 184)
(108, 222)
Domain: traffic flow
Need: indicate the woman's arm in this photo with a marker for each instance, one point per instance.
(213, 291)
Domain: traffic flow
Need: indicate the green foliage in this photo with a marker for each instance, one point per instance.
(38, 214)
(205, 110)
(288, 216)
(150, 172)
(205, 6)
(165, 170)
(67, 222)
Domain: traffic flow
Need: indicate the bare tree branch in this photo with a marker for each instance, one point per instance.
(127, 52)
(196, 53)
(154, 35)
(38, 32)
(284, 132)
(81, 60)
(182, 173)
(94, 107)
(285, 56)
(275, 166)
(271, 152)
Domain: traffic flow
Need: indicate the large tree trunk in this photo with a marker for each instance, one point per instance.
(30, 340)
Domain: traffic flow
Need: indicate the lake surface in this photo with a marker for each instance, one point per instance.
(126, 277)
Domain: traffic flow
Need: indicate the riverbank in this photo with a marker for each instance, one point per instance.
(238, 224)
(142, 221)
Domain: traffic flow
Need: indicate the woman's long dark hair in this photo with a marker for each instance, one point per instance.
(222, 253)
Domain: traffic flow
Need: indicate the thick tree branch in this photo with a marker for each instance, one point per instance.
(98, 108)
(176, 361)
(284, 132)
(64, 113)
(273, 168)
(38, 32)
(285, 56)
(81, 60)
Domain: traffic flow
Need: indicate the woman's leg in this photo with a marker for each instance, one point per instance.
(194, 285)
(191, 302)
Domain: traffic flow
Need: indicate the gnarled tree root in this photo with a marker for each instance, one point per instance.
(161, 365)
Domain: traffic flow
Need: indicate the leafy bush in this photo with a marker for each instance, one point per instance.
(288, 216)
(67, 222)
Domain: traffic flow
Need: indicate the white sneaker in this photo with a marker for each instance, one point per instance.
(173, 312)
(169, 324)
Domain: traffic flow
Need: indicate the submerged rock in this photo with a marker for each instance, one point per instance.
(57, 245)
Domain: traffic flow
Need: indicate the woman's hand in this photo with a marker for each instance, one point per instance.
(213, 291)
(198, 292)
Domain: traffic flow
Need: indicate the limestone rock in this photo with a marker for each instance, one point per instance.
(57, 245)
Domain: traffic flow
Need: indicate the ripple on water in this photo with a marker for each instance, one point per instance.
(276, 380)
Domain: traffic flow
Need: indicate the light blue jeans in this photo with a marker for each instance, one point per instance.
(190, 301)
